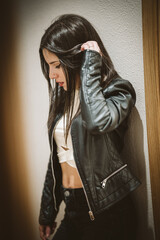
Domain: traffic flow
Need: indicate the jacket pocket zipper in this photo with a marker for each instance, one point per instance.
(103, 183)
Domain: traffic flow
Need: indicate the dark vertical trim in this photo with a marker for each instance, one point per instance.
(16, 217)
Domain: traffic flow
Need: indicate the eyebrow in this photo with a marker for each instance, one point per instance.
(53, 62)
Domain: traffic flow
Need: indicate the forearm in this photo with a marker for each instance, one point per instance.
(103, 110)
(47, 212)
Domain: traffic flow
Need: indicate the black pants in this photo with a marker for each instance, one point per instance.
(116, 223)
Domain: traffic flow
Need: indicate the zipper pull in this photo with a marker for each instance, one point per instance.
(91, 215)
(104, 183)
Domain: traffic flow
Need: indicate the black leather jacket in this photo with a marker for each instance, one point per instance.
(97, 136)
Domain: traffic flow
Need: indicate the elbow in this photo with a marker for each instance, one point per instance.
(95, 128)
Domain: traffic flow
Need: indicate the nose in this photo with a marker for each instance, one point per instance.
(52, 74)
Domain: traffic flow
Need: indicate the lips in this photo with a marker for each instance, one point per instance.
(60, 84)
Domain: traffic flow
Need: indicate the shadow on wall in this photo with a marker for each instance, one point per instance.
(134, 152)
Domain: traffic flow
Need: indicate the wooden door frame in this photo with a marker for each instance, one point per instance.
(151, 59)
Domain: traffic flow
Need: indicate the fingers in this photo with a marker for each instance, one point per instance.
(46, 231)
(89, 45)
(42, 232)
(92, 45)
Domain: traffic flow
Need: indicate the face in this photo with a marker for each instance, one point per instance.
(55, 68)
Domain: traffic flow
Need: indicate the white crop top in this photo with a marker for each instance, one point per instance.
(65, 151)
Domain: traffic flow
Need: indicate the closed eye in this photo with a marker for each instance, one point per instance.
(58, 66)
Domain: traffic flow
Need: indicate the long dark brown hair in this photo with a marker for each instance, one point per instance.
(64, 38)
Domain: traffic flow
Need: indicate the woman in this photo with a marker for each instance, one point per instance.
(89, 106)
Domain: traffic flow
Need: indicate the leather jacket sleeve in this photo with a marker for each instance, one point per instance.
(47, 212)
(103, 110)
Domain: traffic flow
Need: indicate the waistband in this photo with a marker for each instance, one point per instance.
(74, 192)
(75, 199)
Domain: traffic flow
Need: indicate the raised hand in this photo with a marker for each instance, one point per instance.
(93, 45)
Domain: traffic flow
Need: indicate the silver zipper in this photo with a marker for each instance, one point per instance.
(89, 206)
(54, 182)
(112, 174)
(91, 215)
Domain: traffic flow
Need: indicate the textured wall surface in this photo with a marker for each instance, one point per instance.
(119, 23)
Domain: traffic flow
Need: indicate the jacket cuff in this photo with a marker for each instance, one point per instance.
(47, 221)
(89, 57)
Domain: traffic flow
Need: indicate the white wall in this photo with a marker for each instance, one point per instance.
(119, 23)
